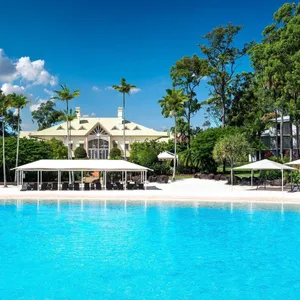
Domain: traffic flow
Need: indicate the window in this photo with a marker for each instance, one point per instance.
(60, 128)
(115, 128)
(136, 128)
(82, 128)
(126, 147)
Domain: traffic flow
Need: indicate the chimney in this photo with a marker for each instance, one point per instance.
(78, 113)
(120, 114)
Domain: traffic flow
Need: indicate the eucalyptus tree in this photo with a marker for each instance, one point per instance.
(5, 104)
(172, 106)
(187, 74)
(66, 95)
(222, 57)
(124, 88)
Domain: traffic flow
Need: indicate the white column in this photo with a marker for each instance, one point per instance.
(18, 177)
(104, 180)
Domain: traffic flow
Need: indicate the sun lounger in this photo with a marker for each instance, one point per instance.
(44, 186)
(130, 186)
(119, 186)
(92, 186)
(29, 187)
(109, 186)
(54, 186)
(141, 186)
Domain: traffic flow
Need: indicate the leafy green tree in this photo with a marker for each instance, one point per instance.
(231, 148)
(222, 57)
(58, 149)
(5, 104)
(115, 153)
(173, 105)
(80, 153)
(124, 88)
(200, 154)
(18, 102)
(187, 74)
(46, 115)
(66, 95)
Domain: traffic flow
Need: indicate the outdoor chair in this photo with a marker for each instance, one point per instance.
(65, 186)
(71, 186)
(44, 186)
(109, 186)
(119, 186)
(24, 187)
(141, 186)
(92, 186)
(35, 186)
(86, 186)
(98, 186)
(54, 186)
(130, 186)
(76, 186)
(29, 187)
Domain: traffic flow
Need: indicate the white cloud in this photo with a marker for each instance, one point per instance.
(93, 114)
(31, 72)
(34, 72)
(8, 88)
(35, 106)
(96, 89)
(48, 92)
(135, 90)
(8, 70)
(109, 88)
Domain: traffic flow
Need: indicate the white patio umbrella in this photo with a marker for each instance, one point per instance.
(264, 164)
(295, 162)
(165, 156)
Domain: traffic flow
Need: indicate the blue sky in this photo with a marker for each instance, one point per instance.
(87, 44)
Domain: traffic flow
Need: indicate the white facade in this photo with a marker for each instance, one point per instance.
(98, 135)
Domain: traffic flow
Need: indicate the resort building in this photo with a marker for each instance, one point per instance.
(269, 136)
(98, 135)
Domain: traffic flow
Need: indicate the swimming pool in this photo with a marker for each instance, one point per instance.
(105, 250)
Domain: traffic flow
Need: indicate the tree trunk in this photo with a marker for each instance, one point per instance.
(124, 125)
(18, 144)
(3, 153)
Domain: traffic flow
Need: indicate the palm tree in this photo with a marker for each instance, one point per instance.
(4, 106)
(172, 106)
(19, 102)
(66, 95)
(124, 88)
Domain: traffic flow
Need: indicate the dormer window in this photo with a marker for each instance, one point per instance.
(82, 128)
(71, 128)
(60, 128)
(115, 128)
(136, 128)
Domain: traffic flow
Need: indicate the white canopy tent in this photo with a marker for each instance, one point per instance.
(264, 164)
(295, 162)
(82, 165)
(166, 156)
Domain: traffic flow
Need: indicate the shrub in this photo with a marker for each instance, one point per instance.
(80, 153)
(115, 153)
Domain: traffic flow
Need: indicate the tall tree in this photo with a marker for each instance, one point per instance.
(66, 95)
(46, 115)
(187, 74)
(124, 88)
(222, 57)
(4, 106)
(18, 102)
(173, 105)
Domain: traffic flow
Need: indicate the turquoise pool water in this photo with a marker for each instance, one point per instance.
(85, 250)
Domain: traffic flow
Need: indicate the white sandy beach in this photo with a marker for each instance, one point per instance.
(182, 190)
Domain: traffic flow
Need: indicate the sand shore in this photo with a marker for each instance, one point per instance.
(184, 190)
